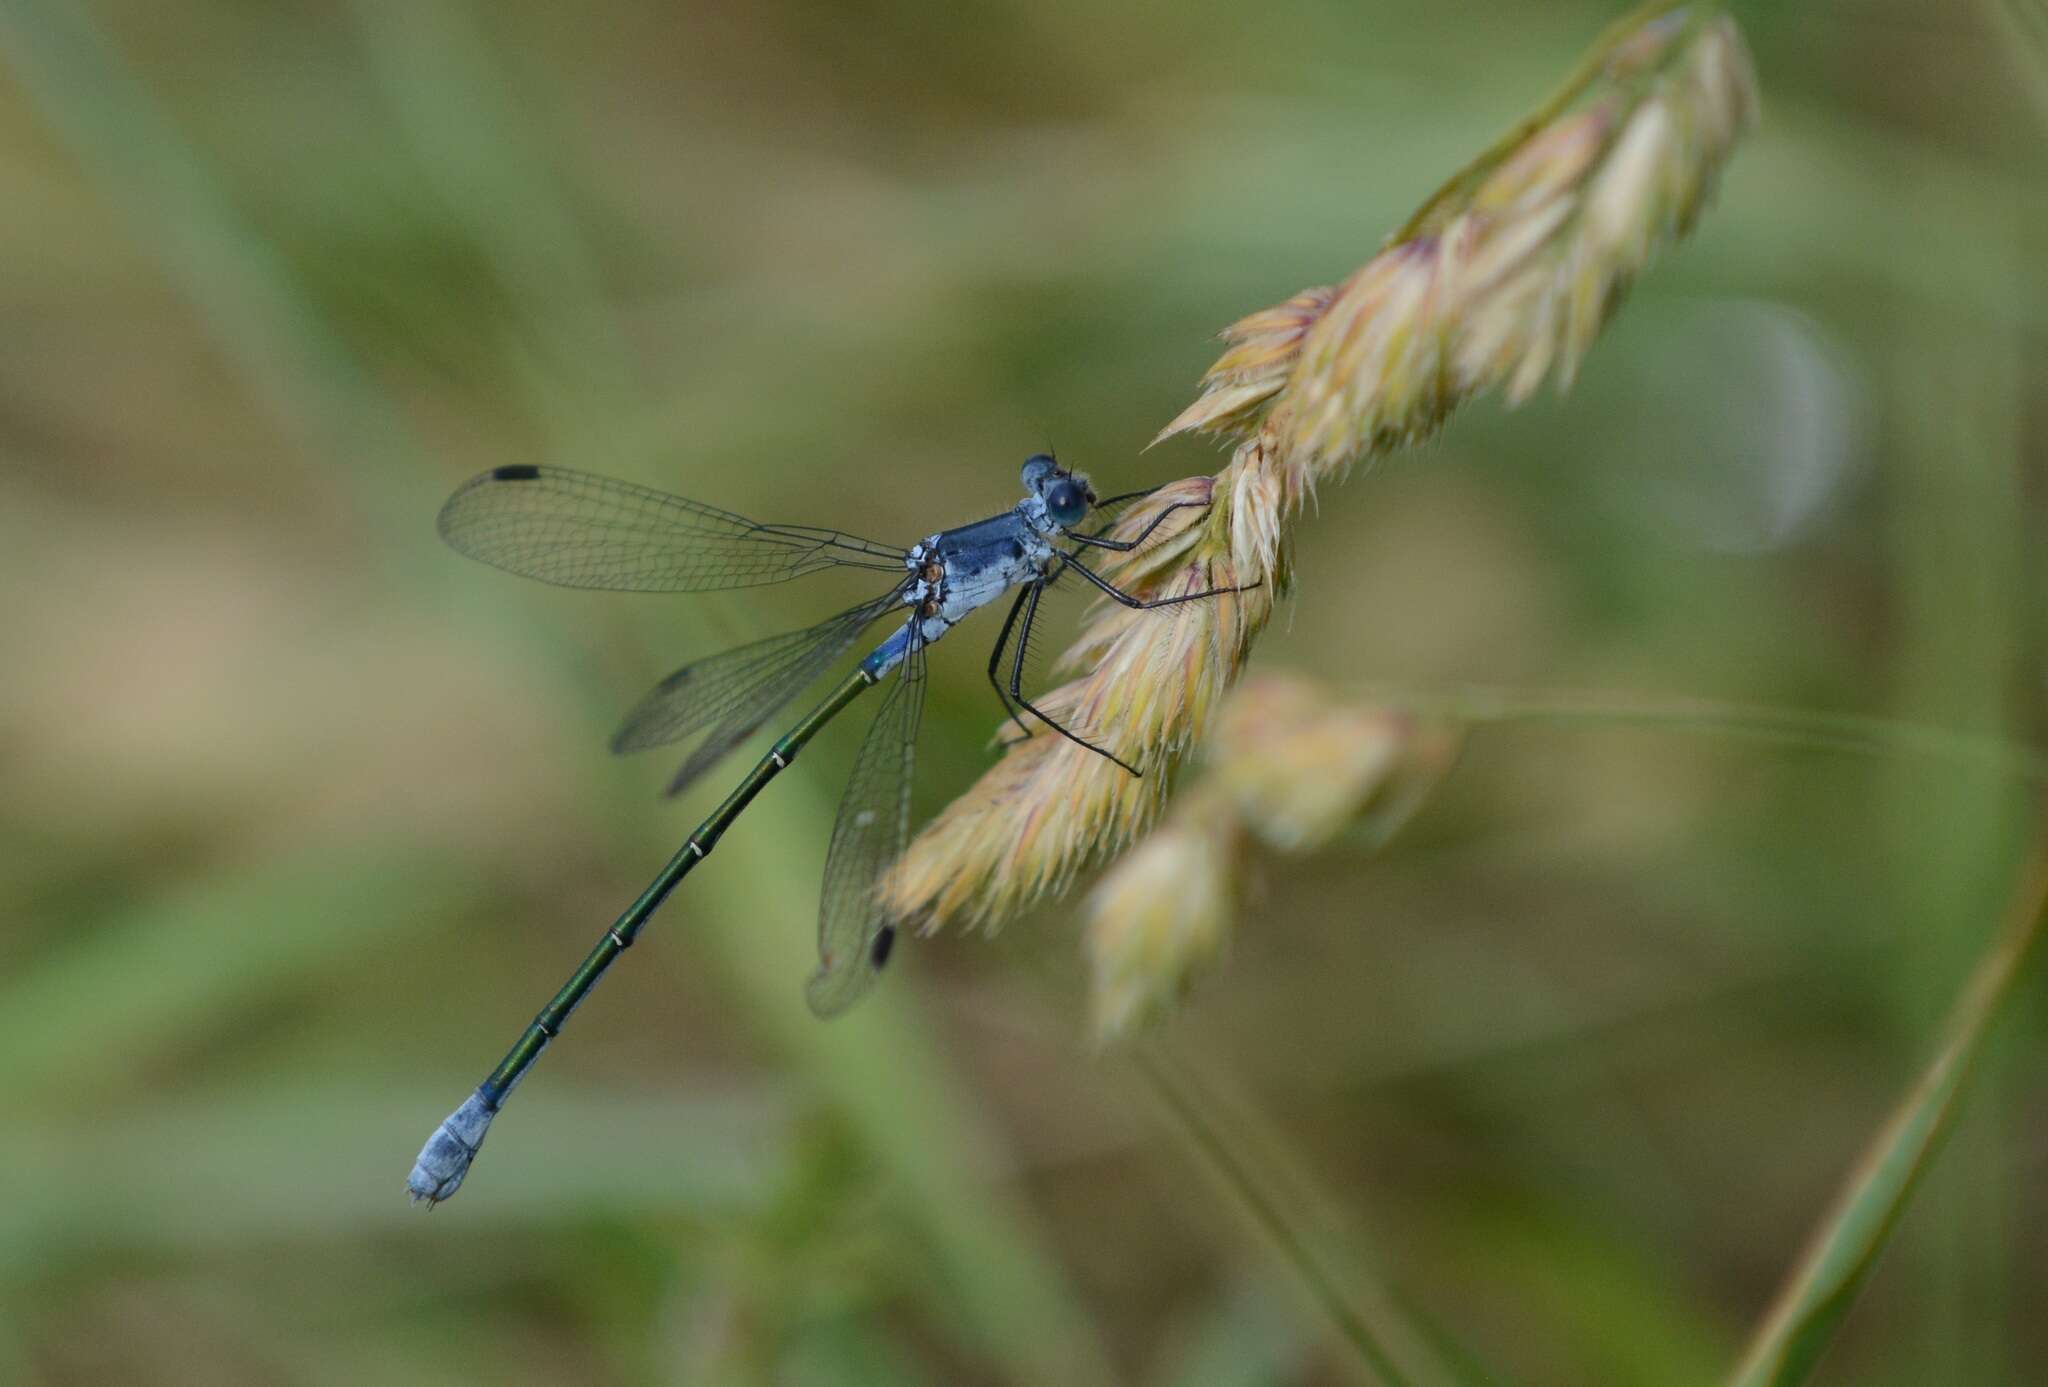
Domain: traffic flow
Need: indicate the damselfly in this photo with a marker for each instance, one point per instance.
(582, 531)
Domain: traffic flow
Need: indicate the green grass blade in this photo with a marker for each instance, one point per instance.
(472, 127)
(884, 1071)
(146, 980)
(1804, 1318)
(1350, 1323)
(2025, 22)
(235, 279)
(1390, 1343)
(1247, 1337)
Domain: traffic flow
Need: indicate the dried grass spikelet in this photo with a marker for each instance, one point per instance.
(1502, 278)
(1298, 765)
(1288, 765)
(1507, 274)
(1160, 919)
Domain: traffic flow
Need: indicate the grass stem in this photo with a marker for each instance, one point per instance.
(1802, 1320)
(1851, 733)
(1235, 1173)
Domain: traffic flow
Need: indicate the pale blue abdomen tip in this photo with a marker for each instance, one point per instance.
(445, 1159)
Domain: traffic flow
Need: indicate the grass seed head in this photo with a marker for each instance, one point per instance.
(1289, 765)
(1508, 274)
(1502, 279)
(1160, 920)
(1297, 764)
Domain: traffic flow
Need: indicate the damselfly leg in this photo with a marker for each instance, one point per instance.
(1123, 546)
(1028, 600)
(995, 662)
(1017, 688)
(1144, 604)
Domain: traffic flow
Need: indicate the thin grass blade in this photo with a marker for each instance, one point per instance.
(1391, 1346)
(1803, 1320)
(2025, 23)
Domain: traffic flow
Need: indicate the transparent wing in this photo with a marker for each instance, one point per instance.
(580, 531)
(734, 693)
(854, 938)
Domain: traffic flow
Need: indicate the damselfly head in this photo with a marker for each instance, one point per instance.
(1067, 495)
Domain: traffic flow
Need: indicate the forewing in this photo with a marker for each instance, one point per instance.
(854, 936)
(580, 531)
(732, 694)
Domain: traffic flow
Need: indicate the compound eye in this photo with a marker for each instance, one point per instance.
(1037, 468)
(1065, 503)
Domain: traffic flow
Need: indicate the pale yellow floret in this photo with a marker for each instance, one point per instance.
(1161, 919)
(1296, 764)
(1289, 764)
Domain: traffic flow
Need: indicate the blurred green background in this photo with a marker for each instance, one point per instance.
(301, 815)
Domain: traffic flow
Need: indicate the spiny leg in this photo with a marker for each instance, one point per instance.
(1118, 500)
(995, 660)
(1017, 686)
(1139, 603)
(1125, 545)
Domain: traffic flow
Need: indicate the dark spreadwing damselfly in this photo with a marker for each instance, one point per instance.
(581, 531)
